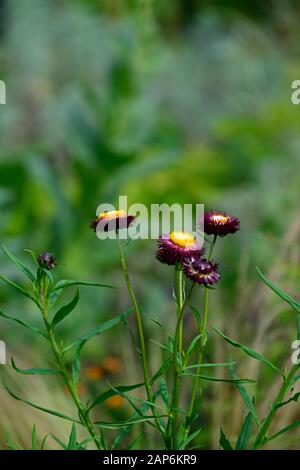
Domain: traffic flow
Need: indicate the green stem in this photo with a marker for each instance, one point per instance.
(203, 331)
(261, 436)
(83, 416)
(172, 421)
(180, 299)
(140, 330)
(199, 361)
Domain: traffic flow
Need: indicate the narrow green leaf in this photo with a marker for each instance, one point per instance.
(41, 408)
(163, 346)
(192, 346)
(284, 430)
(163, 390)
(245, 433)
(124, 431)
(19, 264)
(73, 438)
(218, 379)
(115, 391)
(44, 442)
(157, 323)
(100, 329)
(122, 424)
(76, 365)
(21, 322)
(33, 437)
(224, 441)
(82, 445)
(34, 371)
(67, 283)
(217, 364)
(9, 442)
(64, 446)
(164, 368)
(293, 398)
(190, 439)
(250, 352)
(18, 288)
(283, 295)
(64, 311)
(245, 396)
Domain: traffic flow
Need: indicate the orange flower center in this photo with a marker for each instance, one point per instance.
(182, 239)
(220, 219)
(112, 214)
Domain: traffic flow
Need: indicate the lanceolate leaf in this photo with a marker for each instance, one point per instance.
(166, 366)
(293, 398)
(19, 264)
(100, 329)
(192, 347)
(21, 322)
(218, 379)
(245, 433)
(187, 441)
(245, 396)
(122, 424)
(72, 438)
(224, 441)
(34, 371)
(76, 363)
(212, 364)
(41, 408)
(249, 351)
(65, 310)
(163, 390)
(18, 288)
(115, 391)
(292, 302)
(284, 430)
(67, 283)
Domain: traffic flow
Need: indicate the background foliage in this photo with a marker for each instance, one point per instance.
(173, 101)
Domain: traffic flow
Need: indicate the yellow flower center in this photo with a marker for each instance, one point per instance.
(220, 219)
(182, 239)
(112, 214)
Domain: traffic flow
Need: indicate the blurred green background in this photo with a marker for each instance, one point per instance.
(164, 101)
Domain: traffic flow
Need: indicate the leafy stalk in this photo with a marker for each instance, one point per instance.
(261, 437)
(140, 330)
(42, 299)
(171, 438)
(203, 341)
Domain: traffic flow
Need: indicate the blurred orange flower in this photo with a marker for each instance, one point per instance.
(93, 371)
(112, 364)
(115, 402)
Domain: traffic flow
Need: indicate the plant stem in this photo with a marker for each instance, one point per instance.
(202, 330)
(172, 422)
(261, 436)
(140, 330)
(82, 414)
(199, 361)
(180, 299)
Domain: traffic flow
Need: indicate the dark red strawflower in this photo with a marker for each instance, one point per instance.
(219, 223)
(201, 271)
(112, 221)
(47, 261)
(176, 246)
